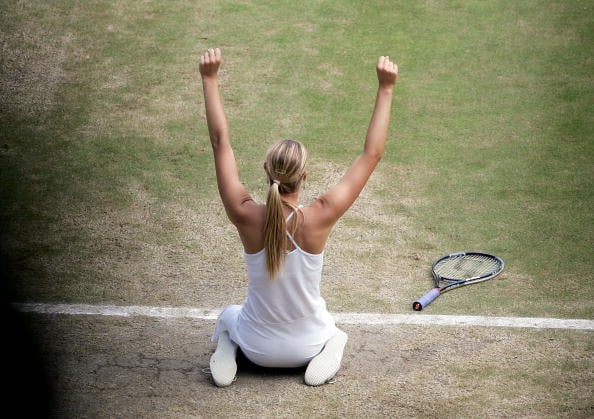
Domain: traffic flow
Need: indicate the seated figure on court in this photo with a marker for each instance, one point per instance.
(284, 322)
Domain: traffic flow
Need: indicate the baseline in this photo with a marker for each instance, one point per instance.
(346, 318)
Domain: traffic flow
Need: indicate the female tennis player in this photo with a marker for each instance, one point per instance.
(284, 322)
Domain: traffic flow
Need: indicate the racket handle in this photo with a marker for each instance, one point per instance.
(426, 299)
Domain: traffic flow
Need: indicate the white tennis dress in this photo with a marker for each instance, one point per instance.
(283, 323)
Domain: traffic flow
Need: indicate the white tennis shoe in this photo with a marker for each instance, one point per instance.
(324, 366)
(223, 365)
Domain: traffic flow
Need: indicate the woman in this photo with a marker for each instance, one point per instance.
(283, 321)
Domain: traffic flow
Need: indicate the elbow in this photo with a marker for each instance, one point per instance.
(375, 155)
(218, 138)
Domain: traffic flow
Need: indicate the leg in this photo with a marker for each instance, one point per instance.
(324, 366)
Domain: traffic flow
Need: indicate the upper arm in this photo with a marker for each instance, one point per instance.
(236, 199)
(334, 203)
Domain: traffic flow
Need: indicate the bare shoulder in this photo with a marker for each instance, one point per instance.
(315, 229)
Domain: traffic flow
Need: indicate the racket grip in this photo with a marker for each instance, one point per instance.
(426, 299)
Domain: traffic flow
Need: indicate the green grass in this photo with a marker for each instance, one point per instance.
(490, 148)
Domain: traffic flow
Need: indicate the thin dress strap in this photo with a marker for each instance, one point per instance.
(291, 239)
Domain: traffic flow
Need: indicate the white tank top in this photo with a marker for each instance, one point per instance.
(285, 317)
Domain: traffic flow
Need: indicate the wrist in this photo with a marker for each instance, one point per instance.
(206, 78)
(385, 89)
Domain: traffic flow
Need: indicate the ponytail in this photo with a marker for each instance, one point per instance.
(285, 167)
(275, 231)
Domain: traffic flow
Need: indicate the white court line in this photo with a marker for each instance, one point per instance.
(346, 318)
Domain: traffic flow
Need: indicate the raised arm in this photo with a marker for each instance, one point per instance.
(232, 191)
(338, 199)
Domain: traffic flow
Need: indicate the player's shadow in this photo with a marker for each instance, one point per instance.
(245, 366)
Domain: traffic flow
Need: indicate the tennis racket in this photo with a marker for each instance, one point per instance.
(459, 269)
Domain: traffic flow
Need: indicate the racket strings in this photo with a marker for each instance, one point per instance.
(467, 266)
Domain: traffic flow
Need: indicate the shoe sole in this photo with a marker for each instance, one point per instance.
(223, 366)
(324, 366)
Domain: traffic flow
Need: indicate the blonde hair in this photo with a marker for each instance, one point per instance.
(285, 167)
